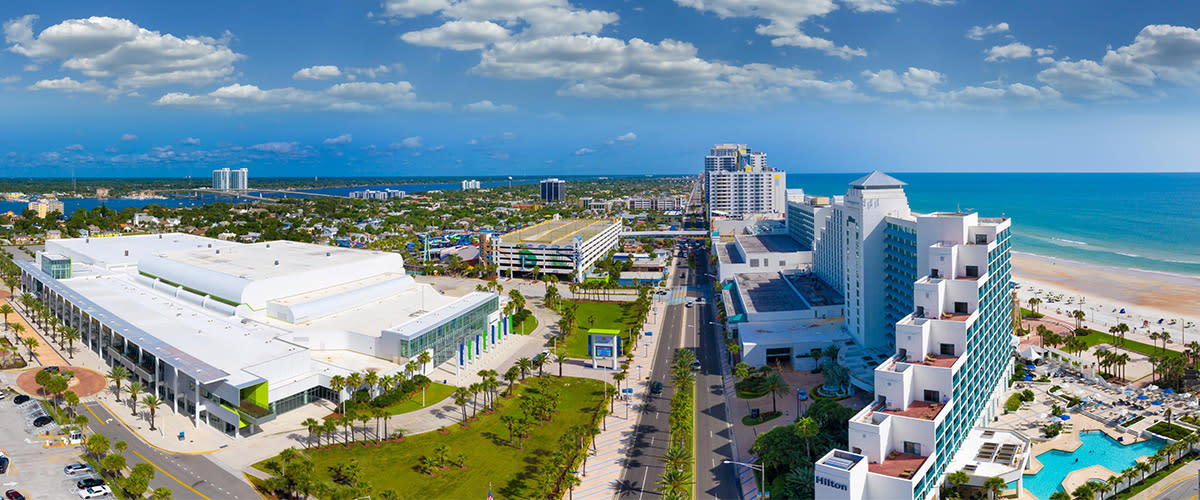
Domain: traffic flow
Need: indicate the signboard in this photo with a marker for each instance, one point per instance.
(604, 351)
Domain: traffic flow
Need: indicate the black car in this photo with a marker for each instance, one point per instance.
(3, 465)
(90, 482)
(656, 388)
(20, 399)
(51, 369)
(42, 421)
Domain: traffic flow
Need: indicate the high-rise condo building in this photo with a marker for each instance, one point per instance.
(554, 190)
(950, 366)
(738, 182)
(239, 179)
(470, 184)
(220, 179)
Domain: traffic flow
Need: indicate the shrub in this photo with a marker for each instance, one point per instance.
(1013, 403)
(1055, 388)
(1171, 431)
(1026, 395)
(1052, 430)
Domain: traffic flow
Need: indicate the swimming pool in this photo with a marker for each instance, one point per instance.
(1097, 449)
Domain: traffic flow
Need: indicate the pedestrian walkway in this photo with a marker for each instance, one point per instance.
(44, 354)
(602, 477)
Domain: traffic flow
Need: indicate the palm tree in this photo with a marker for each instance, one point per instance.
(441, 452)
(70, 335)
(161, 493)
(1083, 492)
(5, 310)
(30, 343)
(134, 389)
(117, 375)
(957, 479)
(379, 414)
(1079, 316)
(1143, 468)
(337, 383)
(673, 483)
(371, 379)
(807, 428)
(313, 427)
(423, 359)
(1100, 488)
(461, 396)
(511, 376)
(524, 364)
(677, 457)
(152, 403)
(1034, 302)
(1122, 328)
(354, 382)
(17, 330)
(777, 386)
(1113, 482)
(993, 485)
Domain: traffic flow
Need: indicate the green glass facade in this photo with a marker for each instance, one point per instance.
(58, 268)
(899, 271)
(445, 337)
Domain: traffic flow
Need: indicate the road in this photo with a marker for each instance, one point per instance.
(713, 431)
(1182, 488)
(188, 476)
(644, 468)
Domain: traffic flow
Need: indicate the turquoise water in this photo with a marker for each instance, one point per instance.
(1141, 221)
(1097, 449)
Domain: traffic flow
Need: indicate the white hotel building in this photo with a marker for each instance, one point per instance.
(945, 381)
(738, 182)
(234, 334)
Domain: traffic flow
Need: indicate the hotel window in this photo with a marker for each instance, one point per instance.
(972, 271)
(960, 308)
(912, 448)
(981, 239)
(933, 273)
(921, 311)
(947, 349)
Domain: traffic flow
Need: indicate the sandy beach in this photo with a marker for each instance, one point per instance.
(1146, 296)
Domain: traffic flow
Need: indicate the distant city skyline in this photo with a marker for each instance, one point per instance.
(576, 87)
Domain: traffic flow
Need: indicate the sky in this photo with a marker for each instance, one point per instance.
(582, 87)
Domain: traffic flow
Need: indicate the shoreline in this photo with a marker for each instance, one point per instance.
(1146, 296)
(1173, 276)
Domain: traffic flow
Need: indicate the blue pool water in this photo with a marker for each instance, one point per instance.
(1097, 449)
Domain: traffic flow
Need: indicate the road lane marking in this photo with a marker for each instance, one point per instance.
(97, 417)
(160, 469)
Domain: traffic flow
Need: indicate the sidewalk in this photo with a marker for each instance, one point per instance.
(604, 467)
(44, 354)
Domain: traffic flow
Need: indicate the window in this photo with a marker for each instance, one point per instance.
(972, 271)
(981, 239)
(921, 310)
(932, 396)
(947, 349)
(933, 273)
(912, 448)
(903, 353)
(960, 308)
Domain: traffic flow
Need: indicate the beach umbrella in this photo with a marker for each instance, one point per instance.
(1030, 367)
(1027, 378)
(1142, 397)
(1156, 402)
(1128, 393)
(1064, 417)
(1169, 390)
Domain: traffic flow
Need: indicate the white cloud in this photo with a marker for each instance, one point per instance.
(190, 141)
(594, 66)
(276, 147)
(1043, 52)
(1015, 50)
(486, 106)
(413, 8)
(66, 84)
(1159, 52)
(352, 96)
(128, 137)
(9, 79)
(372, 73)
(341, 139)
(74, 147)
(917, 81)
(317, 73)
(978, 32)
(627, 137)
(458, 35)
(408, 143)
(584, 151)
(118, 49)
(785, 18)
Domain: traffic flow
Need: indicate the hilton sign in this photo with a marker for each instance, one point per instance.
(831, 483)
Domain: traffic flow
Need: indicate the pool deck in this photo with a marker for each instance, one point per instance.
(1077, 478)
(1068, 441)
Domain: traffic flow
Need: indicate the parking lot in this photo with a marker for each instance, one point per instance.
(34, 470)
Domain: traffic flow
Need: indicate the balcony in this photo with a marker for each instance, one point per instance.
(923, 410)
(254, 413)
(901, 465)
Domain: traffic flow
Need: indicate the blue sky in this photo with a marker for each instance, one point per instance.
(572, 87)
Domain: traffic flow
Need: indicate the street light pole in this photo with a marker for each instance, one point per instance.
(762, 478)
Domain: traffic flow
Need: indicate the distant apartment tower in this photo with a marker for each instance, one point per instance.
(944, 384)
(220, 179)
(371, 194)
(45, 206)
(101, 194)
(554, 190)
(239, 179)
(470, 184)
(739, 182)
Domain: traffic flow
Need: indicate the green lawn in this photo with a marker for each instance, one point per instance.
(1153, 478)
(607, 315)
(489, 458)
(435, 393)
(526, 327)
(1172, 431)
(1096, 337)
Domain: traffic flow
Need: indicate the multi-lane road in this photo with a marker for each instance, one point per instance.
(685, 328)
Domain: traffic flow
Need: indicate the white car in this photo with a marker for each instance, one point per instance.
(95, 492)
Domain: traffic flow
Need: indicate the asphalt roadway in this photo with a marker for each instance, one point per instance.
(188, 476)
(644, 467)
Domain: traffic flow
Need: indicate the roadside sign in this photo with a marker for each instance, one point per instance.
(627, 391)
(649, 334)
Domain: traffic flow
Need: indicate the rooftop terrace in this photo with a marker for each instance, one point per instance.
(918, 409)
(901, 465)
(763, 243)
(561, 232)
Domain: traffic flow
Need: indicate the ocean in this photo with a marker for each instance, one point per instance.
(1147, 221)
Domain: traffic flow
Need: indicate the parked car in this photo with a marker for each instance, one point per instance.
(20, 399)
(3, 464)
(656, 388)
(802, 394)
(76, 468)
(14, 495)
(90, 482)
(94, 492)
(696, 365)
(51, 369)
(42, 421)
